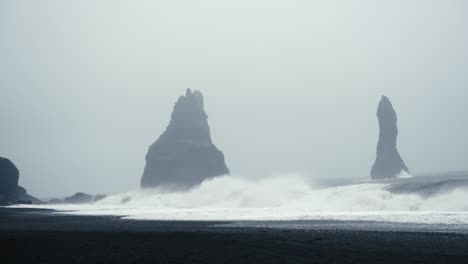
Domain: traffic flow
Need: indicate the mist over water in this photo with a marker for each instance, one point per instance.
(282, 198)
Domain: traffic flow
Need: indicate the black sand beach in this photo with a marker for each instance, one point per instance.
(37, 236)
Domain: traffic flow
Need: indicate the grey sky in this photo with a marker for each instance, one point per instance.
(290, 86)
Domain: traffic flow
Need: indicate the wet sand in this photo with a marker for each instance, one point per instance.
(39, 236)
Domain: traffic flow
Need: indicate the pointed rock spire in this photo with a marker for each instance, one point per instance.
(389, 163)
(184, 154)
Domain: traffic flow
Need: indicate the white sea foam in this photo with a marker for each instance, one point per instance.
(281, 198)
(404, 174)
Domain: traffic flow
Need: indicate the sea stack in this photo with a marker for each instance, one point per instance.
(389, 163)
(184, 155)
(10, 191)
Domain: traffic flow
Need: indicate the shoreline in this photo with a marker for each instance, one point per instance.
(365, 222)
(38, 236)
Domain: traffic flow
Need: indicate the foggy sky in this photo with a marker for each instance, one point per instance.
(290, 86)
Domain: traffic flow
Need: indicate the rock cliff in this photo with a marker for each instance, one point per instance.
(10, 191)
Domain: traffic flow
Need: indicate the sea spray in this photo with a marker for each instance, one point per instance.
(281, 197)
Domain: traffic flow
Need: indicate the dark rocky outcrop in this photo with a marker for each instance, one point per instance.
(55, 201)
(78, 198)
(125, 200)
(430, 185)
(389, 163)
(184, 155)
(99, 197)
(9, 176)
(10, 191)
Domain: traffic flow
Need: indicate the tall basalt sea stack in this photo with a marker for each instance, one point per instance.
(184, 155)
(389, 163)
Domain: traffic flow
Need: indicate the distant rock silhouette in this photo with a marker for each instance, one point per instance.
(10, 191)
(99, 197)
(79, 198)
(184, 154)
(389, 163)
(55, 201)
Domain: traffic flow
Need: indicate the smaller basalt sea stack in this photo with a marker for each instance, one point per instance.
(184, 155)
(10, 191)
(389, 163)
